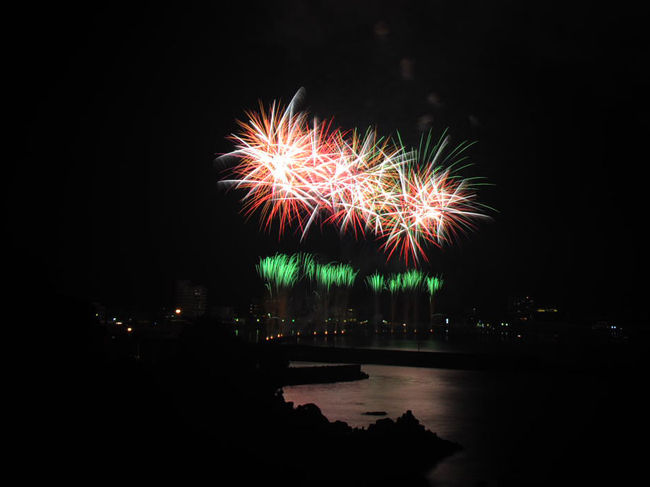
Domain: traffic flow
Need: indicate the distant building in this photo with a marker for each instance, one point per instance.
(440, 320)
(351, 316)
(191, 299)
(521, 308)
(469, 318)
(255, 310)
(223, 314)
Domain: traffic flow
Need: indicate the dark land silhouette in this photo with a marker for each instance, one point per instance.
(211, 409)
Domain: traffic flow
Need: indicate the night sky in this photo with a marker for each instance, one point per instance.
(114, 193)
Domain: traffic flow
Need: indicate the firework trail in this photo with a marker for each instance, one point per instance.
(375, 282)
(278, 272)
(433, 284)
(297, 171)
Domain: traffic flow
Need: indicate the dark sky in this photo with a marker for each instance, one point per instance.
(114, 194)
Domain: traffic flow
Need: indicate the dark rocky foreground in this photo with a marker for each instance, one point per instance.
(213, 409)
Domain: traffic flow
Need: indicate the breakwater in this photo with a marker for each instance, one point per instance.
(322, 374)
(449, 360)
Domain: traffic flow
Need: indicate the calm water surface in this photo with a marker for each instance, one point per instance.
(517, 428)
(397, 341)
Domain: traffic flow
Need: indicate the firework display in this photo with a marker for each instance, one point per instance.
(433, 284)
(298, 171)
(411, 280)
(394, 284)
(317, 294)
(307, 264)
(279, 271)
(375, 282)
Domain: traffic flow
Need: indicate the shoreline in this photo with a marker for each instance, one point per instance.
(450, 360)
(322, 374)
(580, 362)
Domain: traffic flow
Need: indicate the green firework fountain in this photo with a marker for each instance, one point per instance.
(279, 273)
(433, 284)
(308, 264)
(325, 276)
(410, 281)
(376, 283)
(334, 280)
(304, 292)
(346, 277)
(394, 286)
(411, 286)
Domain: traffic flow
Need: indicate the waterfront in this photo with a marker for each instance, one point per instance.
(397, 341)
(517, 428)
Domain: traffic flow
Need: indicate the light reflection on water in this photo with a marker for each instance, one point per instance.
(509, 423)
(425, 342)
(390, 389)
(440, 399)
(432, 342)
